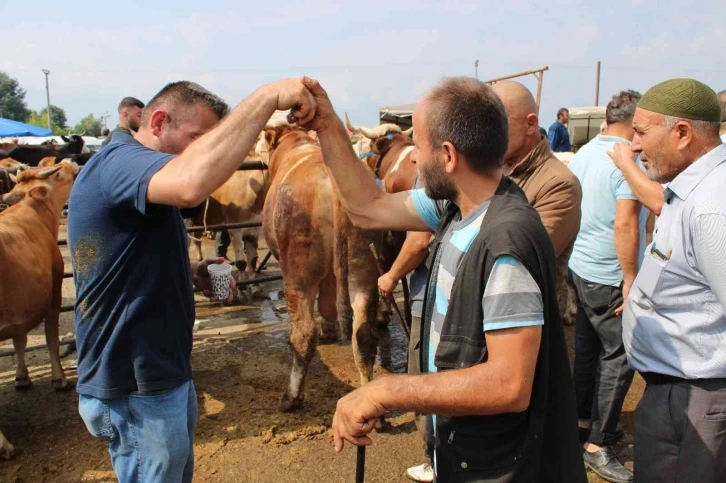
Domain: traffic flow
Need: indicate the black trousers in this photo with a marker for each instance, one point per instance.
(423, 423)
(680, 432)
(602, 376)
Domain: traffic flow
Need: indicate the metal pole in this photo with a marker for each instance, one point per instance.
(476, 69)
(597, 84)
(47, 94)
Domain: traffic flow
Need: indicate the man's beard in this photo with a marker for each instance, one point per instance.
(437, 184)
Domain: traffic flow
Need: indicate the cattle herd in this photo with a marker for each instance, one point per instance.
(322, 256)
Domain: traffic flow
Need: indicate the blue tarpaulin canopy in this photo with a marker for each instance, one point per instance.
(10, 128)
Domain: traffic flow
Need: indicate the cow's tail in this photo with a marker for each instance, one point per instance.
(342, 227)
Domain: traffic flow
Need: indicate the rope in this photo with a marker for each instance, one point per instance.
(204, 223)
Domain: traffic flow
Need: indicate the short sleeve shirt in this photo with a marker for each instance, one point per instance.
(134, 295)
(511, 298)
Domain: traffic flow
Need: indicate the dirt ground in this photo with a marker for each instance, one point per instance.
(241, 364)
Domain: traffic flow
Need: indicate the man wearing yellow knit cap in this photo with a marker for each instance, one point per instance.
(674, 327)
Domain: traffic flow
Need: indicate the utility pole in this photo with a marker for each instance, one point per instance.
(47, 94)
(476, 69)
(105, 116)
(597, 84)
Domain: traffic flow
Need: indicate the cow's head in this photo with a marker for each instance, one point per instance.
(44, 183)
(376, 141)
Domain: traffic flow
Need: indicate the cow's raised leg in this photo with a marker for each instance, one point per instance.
(327, 302)
(303, 340)
(58, 377)
(22, 379)
(6, 449)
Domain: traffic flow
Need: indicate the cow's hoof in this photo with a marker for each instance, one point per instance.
(23, 383)
(62, 384)
(288, 405)
(241, 266)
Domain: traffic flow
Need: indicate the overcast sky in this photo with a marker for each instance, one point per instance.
(367, 54)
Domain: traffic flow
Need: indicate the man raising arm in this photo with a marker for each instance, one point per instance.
(135, 301)
(496, 372)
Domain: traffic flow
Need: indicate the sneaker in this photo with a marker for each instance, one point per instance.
(605, 463)
(423, 473)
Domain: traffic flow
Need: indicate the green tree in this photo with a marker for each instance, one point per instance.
(57, 117)
(91, 124)
(40, 119)
(12, 99)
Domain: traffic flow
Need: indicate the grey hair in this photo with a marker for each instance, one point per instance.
(621, 107)
(708, 128)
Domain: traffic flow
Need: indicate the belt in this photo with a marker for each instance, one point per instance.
(660, 379)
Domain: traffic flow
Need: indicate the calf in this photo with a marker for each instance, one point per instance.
(322, 255)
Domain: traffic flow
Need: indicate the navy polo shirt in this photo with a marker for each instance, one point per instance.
(134, 295)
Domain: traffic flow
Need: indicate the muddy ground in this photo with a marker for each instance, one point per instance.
(241, 362)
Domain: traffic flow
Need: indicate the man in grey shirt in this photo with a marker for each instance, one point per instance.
(674, 323)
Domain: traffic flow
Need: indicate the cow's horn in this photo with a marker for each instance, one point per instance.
(350, 126)
(408, 132)
(379, 131)
(13, 178)
(48, 172)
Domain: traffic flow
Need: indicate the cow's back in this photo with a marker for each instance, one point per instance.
(298, 214)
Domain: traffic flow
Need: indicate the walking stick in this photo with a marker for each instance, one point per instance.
(406, 330)
(360, 466)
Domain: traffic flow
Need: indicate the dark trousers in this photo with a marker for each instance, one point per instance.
(680, 432)
(602, 376)
(222, 242)
(423, 423)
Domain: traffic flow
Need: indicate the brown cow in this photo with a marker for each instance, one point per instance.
(386, 149)
(321, 255)
(32, 263)
(240, 199)
(387, 152)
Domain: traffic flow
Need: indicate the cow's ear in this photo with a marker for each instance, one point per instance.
(271, 136)
(12, 197)
(39, 192)
(46, 162)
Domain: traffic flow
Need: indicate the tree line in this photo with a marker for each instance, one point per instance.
(14, 107)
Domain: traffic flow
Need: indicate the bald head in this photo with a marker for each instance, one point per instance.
(517, 99)
(521, 110)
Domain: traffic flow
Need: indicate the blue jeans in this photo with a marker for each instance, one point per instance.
(150, 437)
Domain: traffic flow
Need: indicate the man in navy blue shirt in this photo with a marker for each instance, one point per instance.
(134, 282)
(558, 135)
